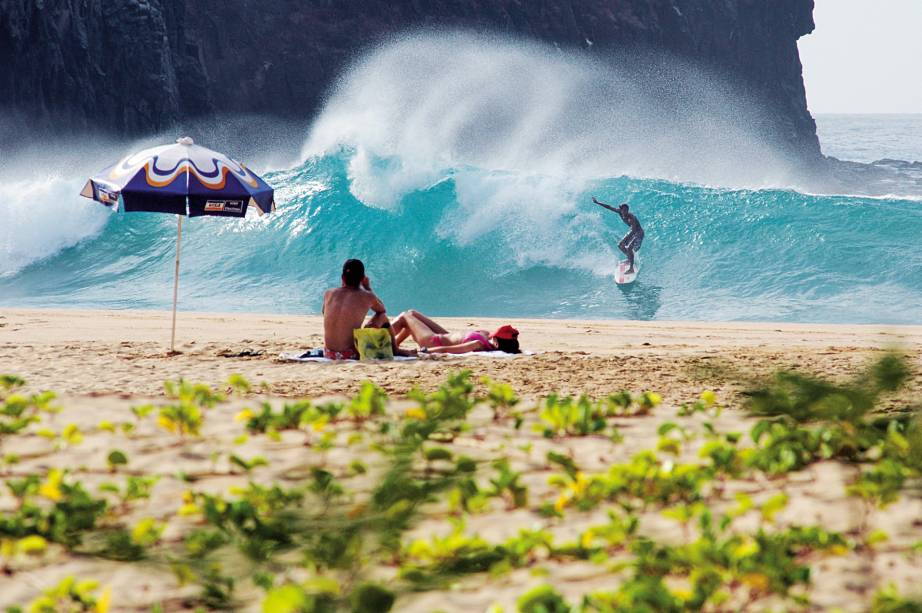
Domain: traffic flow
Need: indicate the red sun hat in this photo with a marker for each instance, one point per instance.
(506, 332)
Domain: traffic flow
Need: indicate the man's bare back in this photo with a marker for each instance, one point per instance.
(344, 310)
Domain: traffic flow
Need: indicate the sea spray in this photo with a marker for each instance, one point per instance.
(427, 103)
(524, 130)
(42, 175)
(467, 192)
(38, 218)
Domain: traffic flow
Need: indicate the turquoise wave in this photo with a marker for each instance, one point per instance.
(460, 245)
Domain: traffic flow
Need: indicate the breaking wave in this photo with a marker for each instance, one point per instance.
(460, 168)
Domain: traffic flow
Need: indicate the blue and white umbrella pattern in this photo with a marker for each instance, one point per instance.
(181, 179)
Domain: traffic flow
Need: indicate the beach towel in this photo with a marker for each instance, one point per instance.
(316, 355)
(481, 354)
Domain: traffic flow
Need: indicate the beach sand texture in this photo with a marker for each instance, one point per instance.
(104, 362)
(124, 352)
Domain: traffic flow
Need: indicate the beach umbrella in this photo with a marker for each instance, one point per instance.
(180, 179)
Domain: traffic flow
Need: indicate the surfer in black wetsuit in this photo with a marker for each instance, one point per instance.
(632, 241)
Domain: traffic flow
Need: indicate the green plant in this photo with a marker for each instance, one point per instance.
(248, 465)
(290, 417)
(706, 403)
(134, 488)
(17, 411)
(500, 396)
(116, 458)
(239, 385)
(542, 599)
(805, 398)
(507, 484)
(132, 545)
(72, 512)
(889, 600)
(257, 520)
(71, 596)
(182, 419)
(566, 416)
(185, 416)
(369, 402)
(440, 413)
(371, 598)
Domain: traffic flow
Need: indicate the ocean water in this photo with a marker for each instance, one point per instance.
(461, 171)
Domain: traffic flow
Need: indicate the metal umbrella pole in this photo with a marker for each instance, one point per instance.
(176, 281)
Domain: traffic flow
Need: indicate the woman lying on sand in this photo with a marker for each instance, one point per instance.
(433, 338)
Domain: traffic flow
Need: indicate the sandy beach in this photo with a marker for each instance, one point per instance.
(104, 362)
(124, 352)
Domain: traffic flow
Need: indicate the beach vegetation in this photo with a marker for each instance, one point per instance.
(70, 596)
(18, 411)
(385, 503)
(500, 396)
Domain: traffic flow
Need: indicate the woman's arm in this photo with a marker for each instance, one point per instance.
(462, 348)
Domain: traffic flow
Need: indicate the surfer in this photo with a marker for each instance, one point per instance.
(634, 238)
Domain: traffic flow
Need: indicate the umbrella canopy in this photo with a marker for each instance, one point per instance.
(182, 179)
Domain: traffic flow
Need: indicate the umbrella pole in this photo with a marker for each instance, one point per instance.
(176, 281)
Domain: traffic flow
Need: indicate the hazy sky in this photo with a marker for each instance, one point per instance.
(865, 56)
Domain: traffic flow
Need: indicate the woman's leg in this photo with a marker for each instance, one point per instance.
(420, 331)
(431, 324)
(399, 326)
(401, 336)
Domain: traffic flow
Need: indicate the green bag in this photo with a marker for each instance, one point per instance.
(373, 344)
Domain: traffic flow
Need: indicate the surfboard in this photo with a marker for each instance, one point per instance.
(621, 275)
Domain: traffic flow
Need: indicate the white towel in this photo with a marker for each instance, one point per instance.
(298, 356)
(480, 354)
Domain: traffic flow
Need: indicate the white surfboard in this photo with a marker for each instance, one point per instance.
(621, 275)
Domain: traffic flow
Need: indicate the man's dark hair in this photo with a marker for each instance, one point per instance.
(624, 206)
(353, 272)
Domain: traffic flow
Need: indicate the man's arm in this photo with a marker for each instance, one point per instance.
(375, 305)
(607, 206)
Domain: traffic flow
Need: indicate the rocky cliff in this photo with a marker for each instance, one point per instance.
(136, 66)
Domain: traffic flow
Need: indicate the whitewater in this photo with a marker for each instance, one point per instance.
(461, 169)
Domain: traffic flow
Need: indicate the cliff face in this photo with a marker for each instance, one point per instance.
(119, 64)
(140, 65)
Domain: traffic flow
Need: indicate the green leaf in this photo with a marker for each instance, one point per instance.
(773, 505)
(117, 458)
(287, 599)
(372, 598)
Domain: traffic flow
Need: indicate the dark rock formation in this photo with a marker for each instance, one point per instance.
(118, 63)
(140, 65)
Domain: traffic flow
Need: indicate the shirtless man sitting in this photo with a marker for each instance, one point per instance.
(344, 310)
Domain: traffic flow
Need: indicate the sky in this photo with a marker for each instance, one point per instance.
(865, 56)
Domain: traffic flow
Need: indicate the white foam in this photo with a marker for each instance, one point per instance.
(438, 101)
(41, 211)
(525, 130)
(40, 216)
